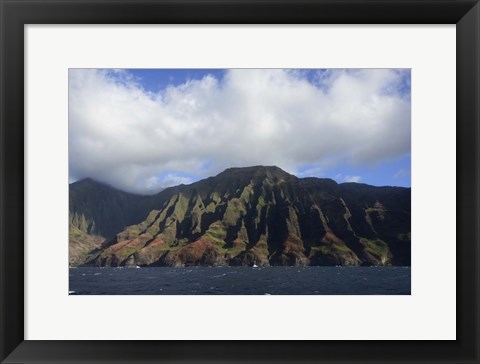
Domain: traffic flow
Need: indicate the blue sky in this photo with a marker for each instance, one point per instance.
(155, 80)
(141, 130)
(394, 172)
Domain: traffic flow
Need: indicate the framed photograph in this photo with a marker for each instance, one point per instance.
(213, 189)
(239, 181)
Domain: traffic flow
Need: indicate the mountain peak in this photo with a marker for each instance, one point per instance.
(89, 182)
(84, 181)
(256, 172)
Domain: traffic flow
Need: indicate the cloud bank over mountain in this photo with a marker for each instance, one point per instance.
(141, 141)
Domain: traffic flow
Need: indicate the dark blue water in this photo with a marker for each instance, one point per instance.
(241, 281)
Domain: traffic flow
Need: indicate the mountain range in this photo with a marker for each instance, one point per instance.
(260, 216)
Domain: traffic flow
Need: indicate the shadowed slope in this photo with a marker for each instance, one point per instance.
(254, 216)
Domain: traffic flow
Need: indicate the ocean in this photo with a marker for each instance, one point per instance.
(240, 281)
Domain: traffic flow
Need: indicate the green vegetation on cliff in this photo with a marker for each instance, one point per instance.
(243, 216)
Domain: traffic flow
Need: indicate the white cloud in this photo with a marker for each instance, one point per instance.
(155, 184)
(401, 173)
(355, 179)
(125, 136)
(309, 172)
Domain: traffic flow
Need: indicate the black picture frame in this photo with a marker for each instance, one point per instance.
(16, 13)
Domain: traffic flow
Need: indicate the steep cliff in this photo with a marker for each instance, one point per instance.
(249, 216)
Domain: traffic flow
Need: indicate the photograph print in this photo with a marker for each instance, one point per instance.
(239, 181)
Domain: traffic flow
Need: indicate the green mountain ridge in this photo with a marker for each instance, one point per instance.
(243, 216)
